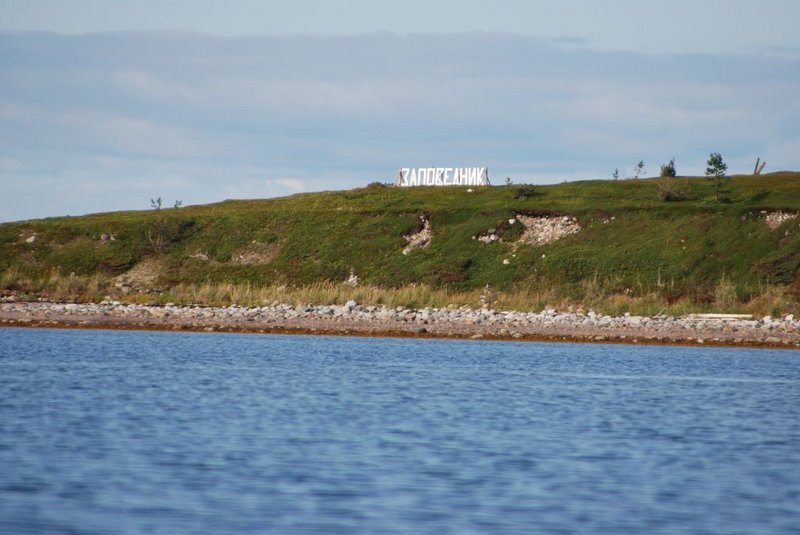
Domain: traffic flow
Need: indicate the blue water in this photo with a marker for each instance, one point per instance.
(141, 432)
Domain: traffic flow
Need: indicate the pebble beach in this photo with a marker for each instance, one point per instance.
(452, 322)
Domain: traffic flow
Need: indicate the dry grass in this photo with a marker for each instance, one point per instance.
(725, 296)
(319, 294)
(55, 286)
(773, 301)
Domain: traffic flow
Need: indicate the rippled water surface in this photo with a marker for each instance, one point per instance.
(140, 432)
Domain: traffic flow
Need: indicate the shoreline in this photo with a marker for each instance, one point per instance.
(352, 319)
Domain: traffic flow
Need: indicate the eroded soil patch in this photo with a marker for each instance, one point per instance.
(143, 276)
(421, 238)
(256, 253)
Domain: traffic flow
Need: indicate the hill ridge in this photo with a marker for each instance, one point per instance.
(626, 244)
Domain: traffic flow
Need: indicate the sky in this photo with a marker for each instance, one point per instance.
(105, 105)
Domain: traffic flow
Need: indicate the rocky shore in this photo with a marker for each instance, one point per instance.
(452, 322)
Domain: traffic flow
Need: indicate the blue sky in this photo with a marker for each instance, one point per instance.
(104, 105)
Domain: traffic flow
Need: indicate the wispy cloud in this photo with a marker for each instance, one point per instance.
(292, 184)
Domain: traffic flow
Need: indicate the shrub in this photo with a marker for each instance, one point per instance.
(668, 169)
(525, 191)
(725, 295)
(670, 190)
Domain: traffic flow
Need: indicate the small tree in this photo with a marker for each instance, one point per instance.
(638, 169)
(668, 169)
(155, 204)
(716, 172)
(163, 229)
(615, 174)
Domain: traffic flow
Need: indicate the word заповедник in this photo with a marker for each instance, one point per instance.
(442, 176)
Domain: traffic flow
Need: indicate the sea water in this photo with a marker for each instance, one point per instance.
(145, 432)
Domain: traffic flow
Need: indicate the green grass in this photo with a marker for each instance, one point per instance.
(633, 248)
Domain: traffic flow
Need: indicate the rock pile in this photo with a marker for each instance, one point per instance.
(490, 236)
(352, 280)
(776, 219)
(544, 229)
(538, 229)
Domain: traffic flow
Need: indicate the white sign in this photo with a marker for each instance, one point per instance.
(442, 176)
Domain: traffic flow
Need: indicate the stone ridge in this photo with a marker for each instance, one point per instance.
(353, 318)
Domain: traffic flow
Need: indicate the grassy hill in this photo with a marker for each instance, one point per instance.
(633, 252)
